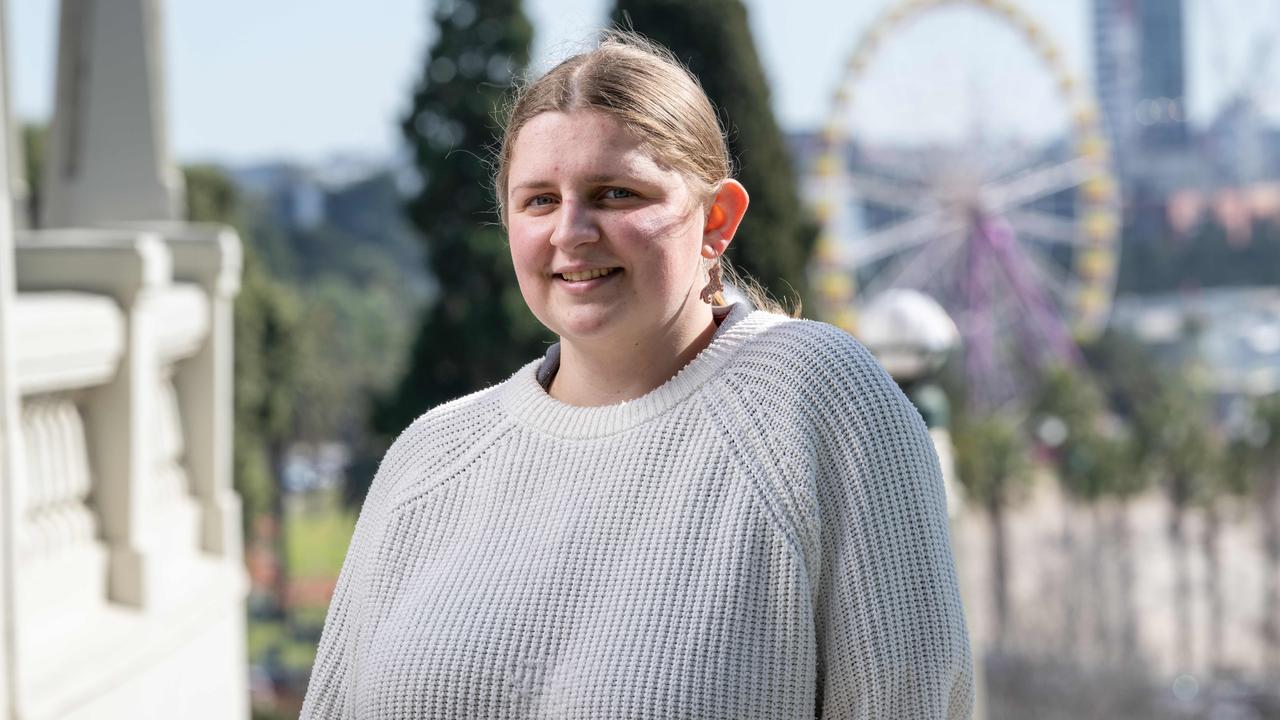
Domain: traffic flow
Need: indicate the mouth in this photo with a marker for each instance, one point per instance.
(586, 276)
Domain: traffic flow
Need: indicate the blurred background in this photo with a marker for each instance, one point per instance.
(248, 243)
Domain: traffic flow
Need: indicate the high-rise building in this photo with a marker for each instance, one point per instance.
(1139, 56)
(1162, 88)
(1116, 72)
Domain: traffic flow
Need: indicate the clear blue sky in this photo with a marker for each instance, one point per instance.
(304, 79)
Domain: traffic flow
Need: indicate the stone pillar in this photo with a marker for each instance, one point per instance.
(11, 445)
(132, 268)
(108, 157)
(210, 256)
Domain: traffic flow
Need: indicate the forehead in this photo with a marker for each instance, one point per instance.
(583, 141)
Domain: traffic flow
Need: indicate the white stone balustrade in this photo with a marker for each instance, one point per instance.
(130, 530)
(209, 256)
(57, 515)
(120, 554)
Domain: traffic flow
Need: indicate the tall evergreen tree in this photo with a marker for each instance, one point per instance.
(713, 39)
(478, 331)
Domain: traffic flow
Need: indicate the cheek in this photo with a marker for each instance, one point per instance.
(670, 243)
(661, 232)
(527, 251)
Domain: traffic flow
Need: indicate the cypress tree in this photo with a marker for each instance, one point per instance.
(713, 39)
(478, 331)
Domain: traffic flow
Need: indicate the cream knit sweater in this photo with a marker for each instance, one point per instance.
(764, 536)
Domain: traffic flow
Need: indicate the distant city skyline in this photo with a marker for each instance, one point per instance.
(305, 80)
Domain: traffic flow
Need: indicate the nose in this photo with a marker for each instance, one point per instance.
(576, 225)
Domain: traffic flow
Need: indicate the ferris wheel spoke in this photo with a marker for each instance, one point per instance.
(904, 269)
(1045, 226)
(890, 193)
(1044, 311)
(996, 171)
(903, 167)
(901, 236)
(1036, 184)
(1046, 273)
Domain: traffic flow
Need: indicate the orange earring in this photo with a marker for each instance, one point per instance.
(716, 218)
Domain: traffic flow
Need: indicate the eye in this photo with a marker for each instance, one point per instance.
(617, 194)
(539, 201)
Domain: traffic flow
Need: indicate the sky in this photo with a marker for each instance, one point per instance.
(250, 80)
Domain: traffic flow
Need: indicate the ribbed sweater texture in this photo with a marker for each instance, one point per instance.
(763, 536)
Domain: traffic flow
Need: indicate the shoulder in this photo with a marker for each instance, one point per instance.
(797, 344)
(439, 436)
(811, 369)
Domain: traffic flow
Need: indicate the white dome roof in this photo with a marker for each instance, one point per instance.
(908, 331)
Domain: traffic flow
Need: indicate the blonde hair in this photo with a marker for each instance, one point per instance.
(645, 88)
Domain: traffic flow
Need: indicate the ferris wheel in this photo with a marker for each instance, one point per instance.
(1018, 247)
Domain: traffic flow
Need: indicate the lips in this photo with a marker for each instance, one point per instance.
(589, 274)
(585, 280)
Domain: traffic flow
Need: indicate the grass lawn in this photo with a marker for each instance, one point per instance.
(267, 634)
(317, 532)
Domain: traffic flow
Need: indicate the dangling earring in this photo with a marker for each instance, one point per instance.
(713, 284)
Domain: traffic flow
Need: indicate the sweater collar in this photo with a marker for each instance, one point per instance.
(524, 397)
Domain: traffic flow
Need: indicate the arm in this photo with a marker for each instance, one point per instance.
(890, 628)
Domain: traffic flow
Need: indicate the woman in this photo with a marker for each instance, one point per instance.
(686, 509)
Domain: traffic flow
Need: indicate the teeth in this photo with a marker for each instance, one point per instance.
(586, 274)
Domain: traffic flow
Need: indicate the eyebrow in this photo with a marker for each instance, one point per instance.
(599, 179)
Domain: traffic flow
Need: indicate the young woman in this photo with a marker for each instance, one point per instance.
(686, 509)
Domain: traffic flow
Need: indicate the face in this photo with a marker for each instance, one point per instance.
(606, 241)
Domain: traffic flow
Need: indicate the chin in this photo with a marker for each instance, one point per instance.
(585, 323)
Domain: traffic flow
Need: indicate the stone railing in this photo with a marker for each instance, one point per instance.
(128, 568)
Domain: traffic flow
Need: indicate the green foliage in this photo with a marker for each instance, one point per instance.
(267, 359)
(1175, 425)
(1093, 457)
(33, 140)
(991, 458)
(267, 347)
(479, 330)
(274, 638)
(1257, 454)
(357, 289)
(212, 197)
(1266, 440)
(713, 39)
(323, 318)
(318, 539)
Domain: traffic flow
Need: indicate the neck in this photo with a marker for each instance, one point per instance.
(607, 373)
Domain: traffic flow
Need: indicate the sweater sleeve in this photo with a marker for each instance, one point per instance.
(891, 636)
(329, 691)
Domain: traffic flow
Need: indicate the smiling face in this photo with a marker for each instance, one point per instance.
(606, 241)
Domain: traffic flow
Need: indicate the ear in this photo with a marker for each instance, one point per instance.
(723, 217)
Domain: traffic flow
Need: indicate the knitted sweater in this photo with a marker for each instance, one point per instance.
(763, 536)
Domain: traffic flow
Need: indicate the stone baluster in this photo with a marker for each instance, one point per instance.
(131, 267)
(210, 256)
